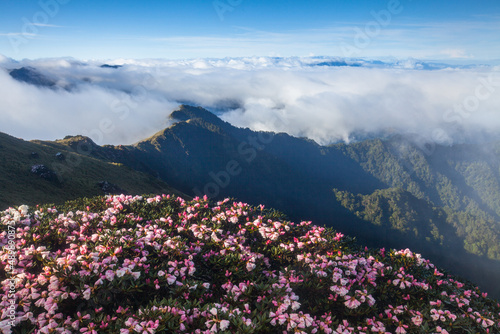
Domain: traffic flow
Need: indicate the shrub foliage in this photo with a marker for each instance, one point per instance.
(160, 264)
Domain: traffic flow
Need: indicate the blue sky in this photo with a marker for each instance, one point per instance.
(460, 30)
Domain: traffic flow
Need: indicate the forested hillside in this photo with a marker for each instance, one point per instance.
(441, 201)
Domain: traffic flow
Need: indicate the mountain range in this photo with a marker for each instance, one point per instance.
(441, 201)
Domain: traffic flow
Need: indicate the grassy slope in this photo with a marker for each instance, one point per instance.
(78, 174)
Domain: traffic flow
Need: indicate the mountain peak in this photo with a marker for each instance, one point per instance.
(31, 76)
(70, 140)
(80, 144)
(186, 113)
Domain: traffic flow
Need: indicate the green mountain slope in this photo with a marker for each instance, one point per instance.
(453, 198)
(66, 174)
(462, 180)
(441, 201)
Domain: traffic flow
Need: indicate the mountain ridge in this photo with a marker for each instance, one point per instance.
(71, 171)
(450, 220)
(32, 76)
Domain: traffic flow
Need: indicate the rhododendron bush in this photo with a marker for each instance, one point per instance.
(123, 264)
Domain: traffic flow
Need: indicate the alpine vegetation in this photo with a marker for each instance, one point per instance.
(132, 264)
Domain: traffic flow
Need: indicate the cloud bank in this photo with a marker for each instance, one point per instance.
(324, 99)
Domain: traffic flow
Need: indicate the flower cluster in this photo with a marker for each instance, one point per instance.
(124, 264)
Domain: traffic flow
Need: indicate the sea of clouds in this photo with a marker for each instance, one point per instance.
(324, 99)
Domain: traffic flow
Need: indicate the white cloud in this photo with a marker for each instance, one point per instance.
(456, 53)
(106, 115)
(19, 34)
(45, 25)
(327, 104)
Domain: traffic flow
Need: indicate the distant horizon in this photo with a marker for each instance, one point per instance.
(326, 99)
(257, 61)
(387, 59)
